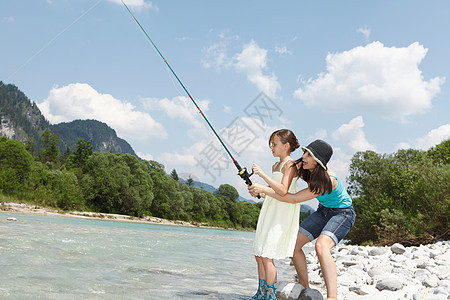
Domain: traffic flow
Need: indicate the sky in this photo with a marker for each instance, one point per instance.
(361, 75)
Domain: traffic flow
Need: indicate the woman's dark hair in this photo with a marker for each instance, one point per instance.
(286, 136)
(318, 180)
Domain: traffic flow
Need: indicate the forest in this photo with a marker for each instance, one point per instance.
(399, 197)
(86, 180)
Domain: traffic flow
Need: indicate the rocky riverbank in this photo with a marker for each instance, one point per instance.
(24, 208)
(378, 273)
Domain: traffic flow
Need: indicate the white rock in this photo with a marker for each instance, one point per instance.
(398, 248)
(289, 290)
(380, 270)
(421, 273)
(11, 219)
(389, 282)
(398, 258)
(404, 271)
(364, 290)
(314, 278)
(377, 251)
(441, 291)
(434, 253)
(443, 259)
(445, 284)
(431, 281)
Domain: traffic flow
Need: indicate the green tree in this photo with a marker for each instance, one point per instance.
(440, 153)
(117, 183)
(174, 175)
(230, 195)
(15, 165)
(82, 153)
(190, 181)
(50, 151)
(400, 197)
(228, 192)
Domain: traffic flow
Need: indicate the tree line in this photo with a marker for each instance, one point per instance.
(401, 197)
(86, 180)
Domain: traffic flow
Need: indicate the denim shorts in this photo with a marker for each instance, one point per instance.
(333, 222)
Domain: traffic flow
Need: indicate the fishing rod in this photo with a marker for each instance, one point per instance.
(242, 172)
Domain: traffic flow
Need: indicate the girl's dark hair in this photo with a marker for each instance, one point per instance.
(286, 136)
(318, 180)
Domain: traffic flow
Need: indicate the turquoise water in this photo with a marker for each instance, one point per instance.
(67, 258)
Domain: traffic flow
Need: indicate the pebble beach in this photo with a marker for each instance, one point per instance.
(377, 273)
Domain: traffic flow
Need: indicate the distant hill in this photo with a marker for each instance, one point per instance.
(207, 187)
(306, 208)
(21, 119)
(102, 137)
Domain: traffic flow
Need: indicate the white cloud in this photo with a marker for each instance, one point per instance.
(227, 109)
(252, 61)
(81, 101)
(374, 78)
(365, 32)
(145, 156)
(7, 19)
(282, 50)
(352, 136)
(180, 108)
(434, 137)
(137, 4)
(431, 139)
(216, 54)
(340, 162)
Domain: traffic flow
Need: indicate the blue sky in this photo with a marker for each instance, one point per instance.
(362, 75)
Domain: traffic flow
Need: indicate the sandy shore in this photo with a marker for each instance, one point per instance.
(24, 208)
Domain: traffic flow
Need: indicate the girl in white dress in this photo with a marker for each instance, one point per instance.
(276, 231)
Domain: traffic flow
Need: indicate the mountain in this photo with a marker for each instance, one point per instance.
(21, 119)
(183, 177)
(102, 137)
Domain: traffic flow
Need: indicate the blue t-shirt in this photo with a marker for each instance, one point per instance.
(338, 198)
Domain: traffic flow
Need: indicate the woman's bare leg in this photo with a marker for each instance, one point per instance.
(323, 249)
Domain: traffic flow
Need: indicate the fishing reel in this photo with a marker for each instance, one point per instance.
(243, 173)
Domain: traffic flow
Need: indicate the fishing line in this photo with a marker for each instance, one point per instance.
(242, 172)
(51, 41)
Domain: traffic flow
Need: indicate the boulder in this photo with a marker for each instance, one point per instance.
(398, 248)
(377, 251)
(289, 290)
(390, 283)
(310, 294)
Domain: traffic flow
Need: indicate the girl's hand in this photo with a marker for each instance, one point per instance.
(257, 170)
(256, 189)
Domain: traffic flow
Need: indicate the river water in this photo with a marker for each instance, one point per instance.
(45, 257)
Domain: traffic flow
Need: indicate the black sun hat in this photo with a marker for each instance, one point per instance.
(320, 151)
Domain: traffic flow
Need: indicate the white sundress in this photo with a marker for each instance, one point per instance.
(277, 228)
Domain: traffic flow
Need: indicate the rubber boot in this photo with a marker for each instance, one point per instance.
(261, 292)
(271, 292)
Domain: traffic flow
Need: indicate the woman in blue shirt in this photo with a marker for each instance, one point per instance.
(333, 219)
